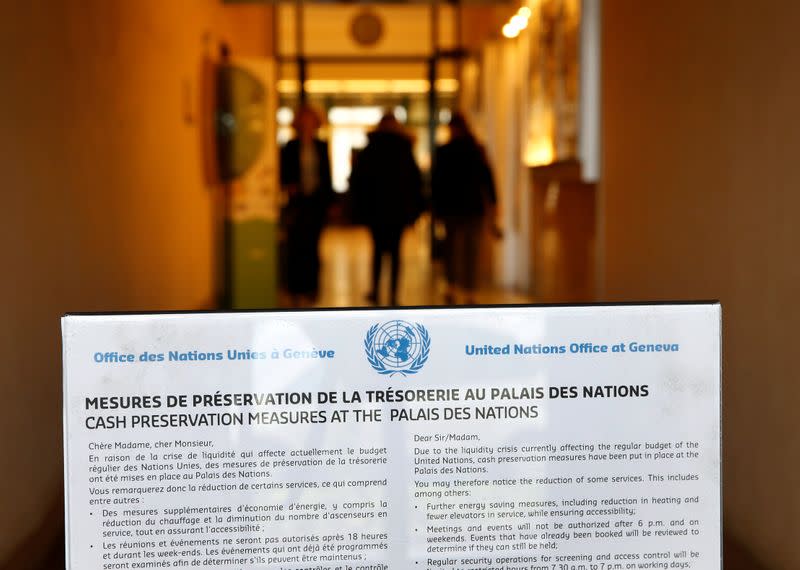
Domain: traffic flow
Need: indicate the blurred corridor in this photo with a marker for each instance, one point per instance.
(345, 275)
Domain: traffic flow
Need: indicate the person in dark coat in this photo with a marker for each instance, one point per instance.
(306, 178)
(386, 186)
(464, 195)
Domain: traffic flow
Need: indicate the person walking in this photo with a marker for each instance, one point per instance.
(306, 179)
(386, 186)
(463, 193)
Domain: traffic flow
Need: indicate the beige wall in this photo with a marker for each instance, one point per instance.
(701, 198)
(104, 205)
(406, 29)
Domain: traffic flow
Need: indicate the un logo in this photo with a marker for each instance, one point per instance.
(397, 347)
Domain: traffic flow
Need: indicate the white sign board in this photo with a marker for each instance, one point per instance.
(559, 438)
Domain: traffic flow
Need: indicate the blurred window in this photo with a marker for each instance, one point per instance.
(348, 132)
(285, 116)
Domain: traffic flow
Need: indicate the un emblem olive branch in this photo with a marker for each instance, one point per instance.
(372, 356)
(380, 366)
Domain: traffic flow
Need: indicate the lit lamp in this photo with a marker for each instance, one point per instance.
(517, 23)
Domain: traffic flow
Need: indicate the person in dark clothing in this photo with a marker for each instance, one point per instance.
(463, 193)
(386, 186)
(306, 178)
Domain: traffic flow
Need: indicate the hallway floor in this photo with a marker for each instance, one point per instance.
(345, 274)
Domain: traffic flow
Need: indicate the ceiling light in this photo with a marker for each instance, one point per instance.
(519, 22)
(510, 31)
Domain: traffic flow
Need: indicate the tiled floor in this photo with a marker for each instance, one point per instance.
(345, 276)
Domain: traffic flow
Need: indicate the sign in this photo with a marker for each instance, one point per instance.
(247, 155)
(559, 438)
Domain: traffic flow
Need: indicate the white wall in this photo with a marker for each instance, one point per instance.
(105, 206)
(501, 126)
(701, 186)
